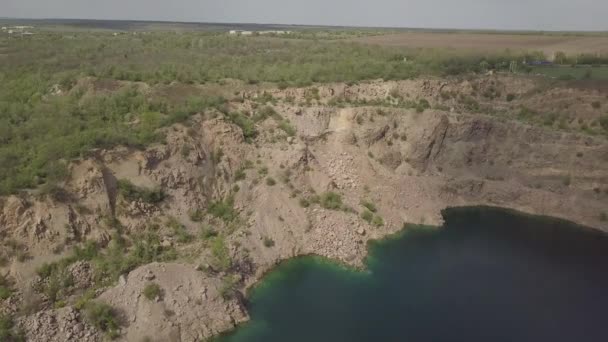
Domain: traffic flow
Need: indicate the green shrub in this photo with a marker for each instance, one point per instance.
(378, 221)
(152, 291)
(268, 242)
(604, 122)
(245, 123)
(240, 175)
(196, 215)
(286, 127)
(180, 231)
(222, 260)
(369, 205)
(367, 216)
(133, 193)
(103, 317)
(304, 203)
(5, 288)
(228, 287)
(223, 210)
(207, 233)
(331, 200)
(510, 97)
(8, 332)
(270, 181)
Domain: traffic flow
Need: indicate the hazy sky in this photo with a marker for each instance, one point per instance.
(496, 14)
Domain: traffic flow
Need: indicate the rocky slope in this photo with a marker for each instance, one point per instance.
(286, 193)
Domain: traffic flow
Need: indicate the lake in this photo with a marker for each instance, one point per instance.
(487, 275)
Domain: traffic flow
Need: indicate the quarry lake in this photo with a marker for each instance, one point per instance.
(487, 275)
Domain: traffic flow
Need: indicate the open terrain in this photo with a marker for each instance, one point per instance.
(487, 42)
(148, 180)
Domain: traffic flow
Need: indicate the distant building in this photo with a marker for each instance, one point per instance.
(4, 28)
(240, 33)
(249, 33)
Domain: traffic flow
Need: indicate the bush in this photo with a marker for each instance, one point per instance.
(223, 210)
(378, 221)
(604, 122)
(370, 206)
(197, 215)
(245, 123)
(270, 181)
(7, 330)
(286, 127)
(103, 317)
(222, 260)
(133, 193)
(367, 216)
(207, 233)
(304, 203)
(240, 175)
(179, 230)
(596, 104)
(268, 242)
(228, 287)
(603, 217)
(152, 291)
(510, 97)
(331, 200)
(5, 288)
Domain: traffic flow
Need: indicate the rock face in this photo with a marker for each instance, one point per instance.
(60, 325)
(410, 165)
(190, 307)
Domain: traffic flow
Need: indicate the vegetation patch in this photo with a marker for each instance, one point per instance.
(152, 291)
(223, 210)
(132, 193)
(103, 317)
(8, 332)
(221, 256)
(331, 200)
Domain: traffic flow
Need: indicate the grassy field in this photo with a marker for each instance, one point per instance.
(548, 44)
(573, 73)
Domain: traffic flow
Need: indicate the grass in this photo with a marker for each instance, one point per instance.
(573, 73)
(152, 291)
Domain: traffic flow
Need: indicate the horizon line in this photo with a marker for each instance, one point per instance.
(305, 25)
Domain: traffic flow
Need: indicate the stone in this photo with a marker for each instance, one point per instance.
(361, 231)
(149, 276)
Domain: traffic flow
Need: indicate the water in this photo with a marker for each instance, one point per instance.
(490, 275)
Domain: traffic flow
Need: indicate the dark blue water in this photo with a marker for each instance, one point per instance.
(487, 275)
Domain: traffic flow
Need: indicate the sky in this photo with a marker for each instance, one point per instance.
(472, 14)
